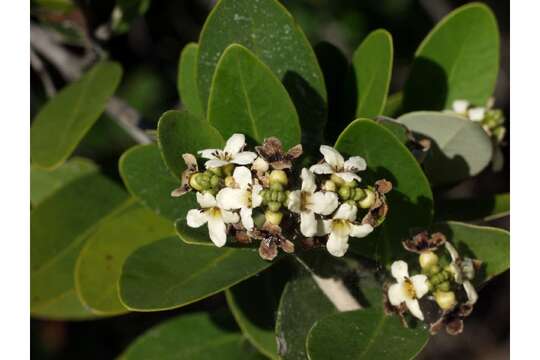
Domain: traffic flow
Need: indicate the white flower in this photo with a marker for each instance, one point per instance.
(340, 227)
(459, 276)
(260, 165)
(212, 214)
(335, 164)
(463, 108)
(476, 113)
(460, 106)
(407, 289)
(307, 203)
(245, 197)
(231, 154)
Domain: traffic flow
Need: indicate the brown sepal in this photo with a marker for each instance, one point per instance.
(422, 241)
(272, 151)
(378, 211)
(271, 238)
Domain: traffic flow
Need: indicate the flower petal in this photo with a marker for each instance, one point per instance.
(323, 168)
(360, 231)
(332, 156)
(294, 201)
(337, 245)
(229, 217)
(215, 163)
(206, 200)
(256, 198)
(400, 270)
(355, 164)
(209, 153)
(242, 177)
(472, 295)
(244, 158)
(420, 283)
(477, 113)
(217, 230)
(308, 181)
(451, 250)
(230, 199)
(396, 294)
(346, 212)
(196, 218)
(324, 203)
(460, 106)
(260, 165)
(349, 176)
(323, 227)
(308, 224)
(414, 307)
(235, 143)
(247, 219)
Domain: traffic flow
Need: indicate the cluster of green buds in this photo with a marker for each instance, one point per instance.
(350, 192)
(439, 279)
(492, 120)
(275, 196)
(211, 180)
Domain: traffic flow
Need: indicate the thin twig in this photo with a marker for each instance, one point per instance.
(43, 74)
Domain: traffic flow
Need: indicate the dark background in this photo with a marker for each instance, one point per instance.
(149, 53)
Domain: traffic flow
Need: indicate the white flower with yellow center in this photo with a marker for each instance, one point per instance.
(244, 196)
(340, 227)
(336, 164)
(231, 154)
(307, 203)
(407, 289)
(213, 215)
(463, 108)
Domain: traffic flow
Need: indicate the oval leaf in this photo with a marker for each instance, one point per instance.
(179, 132)
(460, 148)
(364, 334)
(58, 228)
(187, 80)
(66, 118)
(459, 59)
(168, 273)
(247, 97)
(100, 261)
(387, 158)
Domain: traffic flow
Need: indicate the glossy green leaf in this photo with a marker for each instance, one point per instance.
(187, 80)
(364, 334)
(59, 227)
(459, 149)
(147, 178)
(459, 59)
(487, 244)
(388, 159)
(44, 183)
(394, 105)
(168, 273)
(100, 262)
(266, 28)
(372, 70)
(66, 118)
(179, 132)
(196, 336)
(246, 97)
(475, 208)
(126, 12)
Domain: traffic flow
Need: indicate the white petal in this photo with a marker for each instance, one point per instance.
(235, 143)
(337, 245)
(260, 165)
(471, 291)
(414, 307)
(323, 227)
(256, 198)
(361, 231)
(477, 114)
(217, 230)
(452, 250)
(396, 294)
(209, 153)
(242, 176)
(229, 217)
(460, 106)
(400, 270)
(349, 176)
(323, 168)
(196, 218)
(420, 283)
(294, 201)
(355, 164)
(230, 199)
(247, 219)
(215, 163)
(244, 158)
(346, 212)
(332, 156)
(308, 224)
(308, 181)
(206, 200)
(324, 203)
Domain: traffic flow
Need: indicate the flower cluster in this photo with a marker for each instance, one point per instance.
(256, 196)
(492, 120)
(445, 276)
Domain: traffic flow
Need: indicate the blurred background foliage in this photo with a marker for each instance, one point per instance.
(148, 48)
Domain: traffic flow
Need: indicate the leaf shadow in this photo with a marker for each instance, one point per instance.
(427, 86)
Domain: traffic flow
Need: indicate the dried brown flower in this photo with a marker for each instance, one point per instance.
(271, 238)
(424, 242)
(272, 151)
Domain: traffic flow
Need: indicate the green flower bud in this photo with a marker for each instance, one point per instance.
(229, 181)
(194, 182)
(214, 181)
(434, 270)
(228, 169)
(274, 206)
(329, 185)
(428, 259)
(279, 176)
(337, 180)
(359, 194)
(216, 171)
(445, 299)
(275, 195)
(273, 217)
(351, 184)
(276, 187)
(368, 201)
(264, 195)
(282, 197)
(444, 286)
(344, 192)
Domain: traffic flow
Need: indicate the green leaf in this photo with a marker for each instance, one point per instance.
(387, 158)
(66, 118)
(187, 80)
(168, 273)
(459, 59)
(179, 132)
(126, 12)
(475, 208)
(460, 148)
(487, 244)
(44, 183)
(266, 28)
(372, 70)
(196, 336)
(100, 262)
(364, 334)
(147, 178)
(247, 97)
(394, 105)
(59, 227)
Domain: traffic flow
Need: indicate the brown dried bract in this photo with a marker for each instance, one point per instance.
(272, 151)
(191, 168)
(271, 238)
(240, 233)
(424, 242)
(390, 309)
(452, 320)
(377, 212)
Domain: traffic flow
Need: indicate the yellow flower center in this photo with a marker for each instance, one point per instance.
(409, 288)
(214, 212)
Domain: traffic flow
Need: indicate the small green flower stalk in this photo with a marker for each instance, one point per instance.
(255, 196)
(444, 279)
